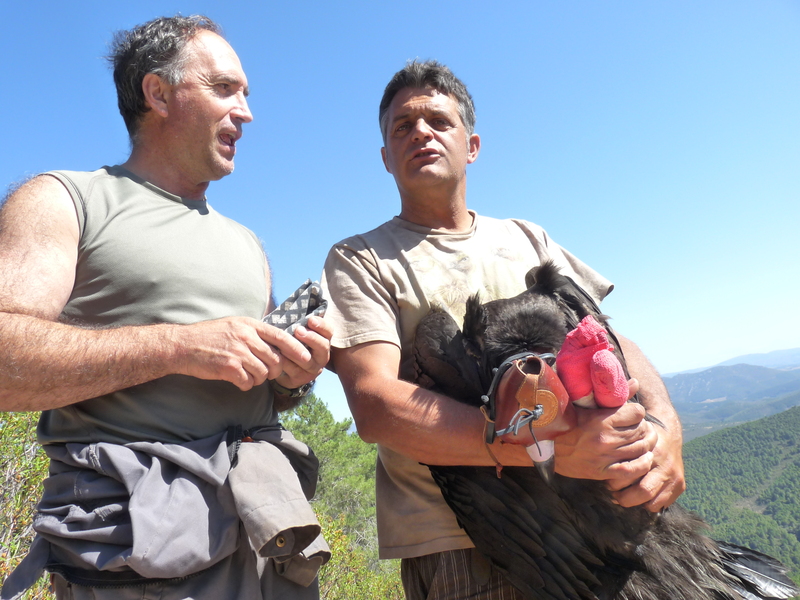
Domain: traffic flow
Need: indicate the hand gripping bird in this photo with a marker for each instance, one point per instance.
(553, 537)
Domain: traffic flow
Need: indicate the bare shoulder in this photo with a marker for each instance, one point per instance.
(42, 187)
(41, 204)
(39, 237)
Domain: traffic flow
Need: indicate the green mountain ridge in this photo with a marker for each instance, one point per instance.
(745, 482)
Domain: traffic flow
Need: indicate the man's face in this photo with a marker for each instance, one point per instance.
(207, 109)
(426, 142)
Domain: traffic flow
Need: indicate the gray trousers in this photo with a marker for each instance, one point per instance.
(241, 576)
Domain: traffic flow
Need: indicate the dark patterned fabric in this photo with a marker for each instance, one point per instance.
(454, 575)
(306, 301)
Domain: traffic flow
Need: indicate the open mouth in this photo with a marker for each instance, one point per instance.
(228, 140)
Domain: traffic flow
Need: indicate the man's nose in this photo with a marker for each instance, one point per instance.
(242, 110)
(422, 130)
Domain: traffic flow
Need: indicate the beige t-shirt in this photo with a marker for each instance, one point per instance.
(379, 285)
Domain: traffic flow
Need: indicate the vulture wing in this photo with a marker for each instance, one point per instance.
(443, 361)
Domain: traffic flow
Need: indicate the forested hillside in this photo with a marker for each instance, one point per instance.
(745, 481)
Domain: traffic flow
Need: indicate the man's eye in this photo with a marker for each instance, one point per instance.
(224, 86)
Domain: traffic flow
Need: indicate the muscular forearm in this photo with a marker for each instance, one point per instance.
(46, 365)
(425, 426)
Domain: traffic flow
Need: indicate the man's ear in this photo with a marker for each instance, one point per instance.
(473, 148)
(383, 157)
(155, 92)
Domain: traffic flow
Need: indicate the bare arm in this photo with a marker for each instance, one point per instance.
(45, 364)
(665, 481)
(434, 429)
(420, 424)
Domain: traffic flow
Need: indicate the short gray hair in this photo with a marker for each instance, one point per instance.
(154, 47)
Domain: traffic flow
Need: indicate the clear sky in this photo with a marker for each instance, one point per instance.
(658, 141)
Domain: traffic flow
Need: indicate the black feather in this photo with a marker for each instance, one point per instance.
(569, 541)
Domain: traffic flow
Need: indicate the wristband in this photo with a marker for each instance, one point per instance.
(298, 392)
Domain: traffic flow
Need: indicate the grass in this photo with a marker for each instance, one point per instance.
(23, 466)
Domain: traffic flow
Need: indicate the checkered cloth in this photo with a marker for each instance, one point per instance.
(307, 300)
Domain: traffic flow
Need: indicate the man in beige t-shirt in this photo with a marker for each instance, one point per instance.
(437, 252)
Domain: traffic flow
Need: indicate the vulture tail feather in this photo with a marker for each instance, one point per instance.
(759, 574)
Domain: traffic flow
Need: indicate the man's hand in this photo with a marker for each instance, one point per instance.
(317, 339)
(615, 445)
(38, 257)
(247, 352)
(663, 483)
(640, 461)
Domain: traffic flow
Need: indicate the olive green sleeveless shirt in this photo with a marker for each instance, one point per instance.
(146, 256)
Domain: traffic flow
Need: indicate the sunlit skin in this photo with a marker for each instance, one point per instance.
(427, 151)
(197, 122)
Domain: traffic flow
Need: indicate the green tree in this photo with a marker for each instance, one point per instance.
(346, 487)
(23, 466)
(345, 505)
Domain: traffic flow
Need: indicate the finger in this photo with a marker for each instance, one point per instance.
(668, 494)
(266, 359)
(257, 371)
(633, 387)
(318, 345)
(623, 474)
(627, 453)
(642, 492)
(321, 326)
(658, 503)
(286, 345)
(639, 440)
(629, 415)
(242, 379)
(626, 439)
(295, 374)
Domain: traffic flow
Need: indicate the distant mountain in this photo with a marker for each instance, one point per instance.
(730, 395)
(779, 359)
(736, 382)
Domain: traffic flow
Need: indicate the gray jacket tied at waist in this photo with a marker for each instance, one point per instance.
(167, 511)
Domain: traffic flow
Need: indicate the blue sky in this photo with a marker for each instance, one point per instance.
(659, 141)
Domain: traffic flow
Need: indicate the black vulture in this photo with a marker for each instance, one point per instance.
(567, 539)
